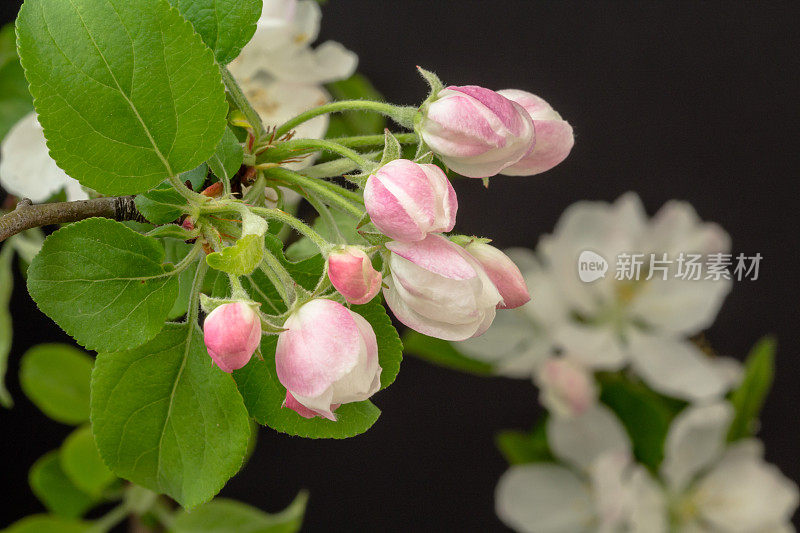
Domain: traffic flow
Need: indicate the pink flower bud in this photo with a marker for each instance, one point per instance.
(232, 333)
(327, 356)
(503, 272)
(439, 289)
(406, 200)
(566, 388)
(475, 131)
(351, 273)
(554, 138)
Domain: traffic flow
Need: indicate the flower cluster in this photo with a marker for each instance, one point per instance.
(446, 287)
(709, 479)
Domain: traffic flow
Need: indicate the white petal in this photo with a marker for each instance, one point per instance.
(26, 168)
(743, 493)
(675, 368)
(695, 439)
(582, 439)
(677, 228)
(278, 101)
(597, 347)
(513, 344)
(648, 511)
(544, 498)
(609, 488)
(677, 306)
(328, 62)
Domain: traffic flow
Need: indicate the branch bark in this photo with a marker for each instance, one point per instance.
(28, 215)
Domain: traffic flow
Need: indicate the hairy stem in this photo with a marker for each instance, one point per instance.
(360, 141)
(241, 101)
(27, 215)
(295, 147)
(334, 195)
(402, 115)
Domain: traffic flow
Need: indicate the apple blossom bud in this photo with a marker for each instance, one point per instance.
(503, 272)
(327, 356)
(475, 131)
(351, 273)
(566, 388)
(437, 288)
(406, 200)
(232, 333)
(554, 138)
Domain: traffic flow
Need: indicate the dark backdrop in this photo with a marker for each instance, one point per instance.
(696, 101)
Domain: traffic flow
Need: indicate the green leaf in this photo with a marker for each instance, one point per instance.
(748, 398)
(165, 418)
(227, 157)
(390, 349)
(55, 490)
(162, 205)
(6, 327)
(15, 100)
(443, 353)
(56, 379)
(645, 415)
(305, 247)
(223, 515)
(127, 93)
(225, 25)
(40, 523)
(240, 259)
(103, 283)
(263, 395)
(175, 251)
(196, 177)
(520, 447)
(81, 462)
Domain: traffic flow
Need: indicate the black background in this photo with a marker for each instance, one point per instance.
(696, 101)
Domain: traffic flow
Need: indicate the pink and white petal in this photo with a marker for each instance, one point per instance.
(544, 498)
(435, 254)
(554, 142)
(320, 346)
(291, 403)
(424, 324)
(696, 439)
(580, 440)
(675, 367)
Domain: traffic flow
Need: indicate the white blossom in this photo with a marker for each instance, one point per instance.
(704, 484)
(282, 75)
(609, 323)
(26, 168)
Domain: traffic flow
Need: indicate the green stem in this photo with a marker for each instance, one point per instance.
(280, 278)
(242, 102)
(360, 141)
(295, 147)
(326, 215)
(194, 298)
(297, 224)
(402, 115)
(337, 167)
(189, 259)
(183, 190)
(111, 518)
(333, 194)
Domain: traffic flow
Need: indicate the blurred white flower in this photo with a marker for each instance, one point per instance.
(26, 168)
(609, 324)
(704, 486)
(719, 489)
(593, 496)
(282, 75)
